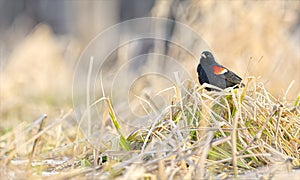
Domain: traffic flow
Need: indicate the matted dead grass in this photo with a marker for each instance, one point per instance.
(203, 134)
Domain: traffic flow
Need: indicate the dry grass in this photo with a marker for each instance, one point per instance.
(205, 134)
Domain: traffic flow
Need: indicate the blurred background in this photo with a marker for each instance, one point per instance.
(41, 42)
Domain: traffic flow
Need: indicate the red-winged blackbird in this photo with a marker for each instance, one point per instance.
(209, 71)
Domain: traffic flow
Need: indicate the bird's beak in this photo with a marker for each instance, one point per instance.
(202, 55)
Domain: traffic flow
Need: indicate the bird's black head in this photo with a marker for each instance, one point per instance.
(207, 58)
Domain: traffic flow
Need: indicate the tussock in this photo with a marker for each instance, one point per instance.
(203, 134)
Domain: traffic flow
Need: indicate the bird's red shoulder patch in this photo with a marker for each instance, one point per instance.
(219, 70)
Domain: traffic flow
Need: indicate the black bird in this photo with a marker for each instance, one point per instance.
(209, 71)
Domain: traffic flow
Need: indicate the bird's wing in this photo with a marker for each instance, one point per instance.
(226, 74)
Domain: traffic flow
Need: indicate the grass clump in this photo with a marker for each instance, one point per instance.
(202, 134)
